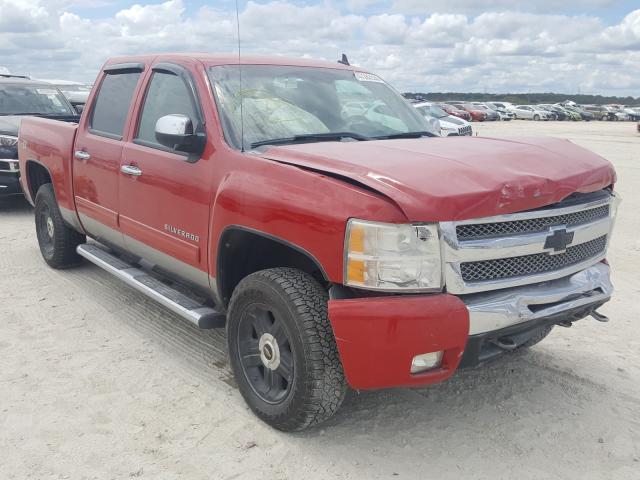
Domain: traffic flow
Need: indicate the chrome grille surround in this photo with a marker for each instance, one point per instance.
(519, 257)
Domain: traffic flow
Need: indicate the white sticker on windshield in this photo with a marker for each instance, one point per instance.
(46, 91)
(367, 77)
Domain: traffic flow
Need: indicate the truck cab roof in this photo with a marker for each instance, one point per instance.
(213, 59)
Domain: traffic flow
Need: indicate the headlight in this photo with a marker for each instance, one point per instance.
(8, 141)
(392, 257)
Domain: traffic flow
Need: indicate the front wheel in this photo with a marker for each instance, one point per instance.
(282, 349)
(536, 117)
(56, 239)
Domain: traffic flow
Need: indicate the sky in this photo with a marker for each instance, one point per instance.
(494, 46)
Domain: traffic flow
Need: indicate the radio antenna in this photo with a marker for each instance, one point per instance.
(240, 86)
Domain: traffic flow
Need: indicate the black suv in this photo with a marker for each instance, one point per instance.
(20, 96)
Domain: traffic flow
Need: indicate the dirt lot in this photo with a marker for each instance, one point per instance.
(98, 382)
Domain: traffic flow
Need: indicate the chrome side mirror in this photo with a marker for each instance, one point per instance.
(174, 130)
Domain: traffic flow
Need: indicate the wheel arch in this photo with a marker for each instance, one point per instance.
(37, 175)
(242, 251)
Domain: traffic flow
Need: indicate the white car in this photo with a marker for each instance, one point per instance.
(529, 112)
(449, 125)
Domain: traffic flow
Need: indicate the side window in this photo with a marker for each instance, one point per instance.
(111, 107)
(167, 94)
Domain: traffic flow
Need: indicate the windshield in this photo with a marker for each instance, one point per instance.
(432, 111)
(281, 102)
(32, 99)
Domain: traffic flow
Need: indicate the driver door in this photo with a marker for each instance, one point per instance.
(164, 193)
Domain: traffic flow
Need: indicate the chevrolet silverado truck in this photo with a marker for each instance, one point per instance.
(336, 249)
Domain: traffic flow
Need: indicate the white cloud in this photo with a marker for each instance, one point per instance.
(422, 7)
(489, 50)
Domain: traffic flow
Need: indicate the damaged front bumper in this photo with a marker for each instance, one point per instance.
(378, 337)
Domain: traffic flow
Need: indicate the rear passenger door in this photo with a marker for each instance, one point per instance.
(165, 194)
(98, 151)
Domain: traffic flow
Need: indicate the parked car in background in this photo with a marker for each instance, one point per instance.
(586, 116)
(504, 113)
(550, 113)
(601, 112)
(570, 114)
(449, 125)
(477, 114)
(492, 115)
(455, 111)
(530, 112)
(633, 112)
(19, 97)
(76, 92)
(559, 113)
(503, 105)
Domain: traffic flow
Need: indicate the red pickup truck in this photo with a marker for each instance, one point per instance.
(337, 249)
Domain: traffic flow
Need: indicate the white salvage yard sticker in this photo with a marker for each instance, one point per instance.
(367, 77)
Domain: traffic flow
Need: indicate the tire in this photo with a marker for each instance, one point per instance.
(605, 118)
(536, 117)
(537, 337)
(278, 314)
(56, 239)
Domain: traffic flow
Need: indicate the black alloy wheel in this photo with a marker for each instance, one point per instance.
(265, 353)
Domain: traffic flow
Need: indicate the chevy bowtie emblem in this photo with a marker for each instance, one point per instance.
(558, 241)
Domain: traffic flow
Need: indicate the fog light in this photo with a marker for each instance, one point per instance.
(426, 361)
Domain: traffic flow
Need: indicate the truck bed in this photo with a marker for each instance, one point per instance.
(49, 143)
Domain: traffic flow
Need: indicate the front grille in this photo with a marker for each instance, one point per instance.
(502, 268)
(533, 225)
(465, 130)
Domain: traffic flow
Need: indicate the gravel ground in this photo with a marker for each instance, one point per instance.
(96, 382)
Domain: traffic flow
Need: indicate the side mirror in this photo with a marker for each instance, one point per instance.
(176, 131)
(79, 108)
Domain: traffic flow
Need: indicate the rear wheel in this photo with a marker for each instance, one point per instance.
(56, 239)
(282, 349)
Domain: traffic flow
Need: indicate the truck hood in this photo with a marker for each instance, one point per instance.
(10, 124)
(440, 179)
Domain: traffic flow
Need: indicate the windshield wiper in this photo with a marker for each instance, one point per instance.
(311, 137)
(405, 135)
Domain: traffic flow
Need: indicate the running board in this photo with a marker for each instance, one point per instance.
(179, 303)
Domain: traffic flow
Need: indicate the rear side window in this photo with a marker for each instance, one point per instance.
(167, 94)
(112, 104)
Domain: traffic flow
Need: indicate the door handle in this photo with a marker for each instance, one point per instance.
(82, 155)
(131, 170)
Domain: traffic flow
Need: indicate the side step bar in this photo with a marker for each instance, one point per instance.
(179, 303)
